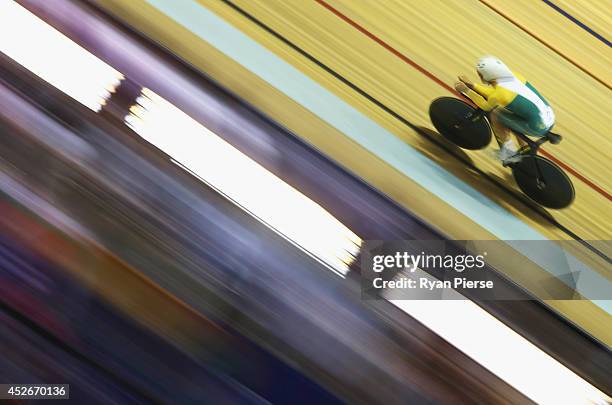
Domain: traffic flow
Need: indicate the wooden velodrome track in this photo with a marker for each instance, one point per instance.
(402, 55)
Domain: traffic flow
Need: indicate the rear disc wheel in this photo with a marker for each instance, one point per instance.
(544, 182)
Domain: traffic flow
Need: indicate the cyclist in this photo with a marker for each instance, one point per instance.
(512, 102)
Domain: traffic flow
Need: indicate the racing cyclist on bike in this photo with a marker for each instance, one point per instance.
(512, 102)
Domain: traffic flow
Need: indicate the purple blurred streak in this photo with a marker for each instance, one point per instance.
(324, 304)
(228, 266)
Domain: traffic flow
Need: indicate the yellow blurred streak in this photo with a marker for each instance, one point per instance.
(596, 14)
(407, 91)
(446, 38)
(561, 34)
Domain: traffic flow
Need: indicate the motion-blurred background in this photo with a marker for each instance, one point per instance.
(186, 189)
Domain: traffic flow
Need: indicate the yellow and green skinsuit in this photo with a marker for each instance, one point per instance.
(523, 109)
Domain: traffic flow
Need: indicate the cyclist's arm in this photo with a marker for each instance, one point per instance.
(482, 103)
(483, 90)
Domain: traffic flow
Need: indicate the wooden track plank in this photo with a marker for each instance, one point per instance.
(560, 34)
(596, 14)
(408, 91)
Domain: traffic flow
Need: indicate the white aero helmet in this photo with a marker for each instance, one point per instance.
(491, 68)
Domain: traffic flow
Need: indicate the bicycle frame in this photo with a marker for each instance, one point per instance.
(533, 146)
(469, 127)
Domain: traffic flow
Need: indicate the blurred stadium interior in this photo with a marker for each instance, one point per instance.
(187, 189)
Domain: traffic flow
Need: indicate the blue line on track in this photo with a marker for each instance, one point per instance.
(577, 22)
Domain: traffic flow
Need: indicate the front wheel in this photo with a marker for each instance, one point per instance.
(460, 123)
(544, 182)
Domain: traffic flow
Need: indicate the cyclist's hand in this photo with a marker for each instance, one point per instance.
(467, 81)
(461, 87)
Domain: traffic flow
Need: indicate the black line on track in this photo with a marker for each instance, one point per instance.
(534, 207)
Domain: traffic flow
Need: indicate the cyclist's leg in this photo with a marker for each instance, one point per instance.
(515, 123)
(522, 143)
(520, 125)
(507, 152)
(502, 132)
